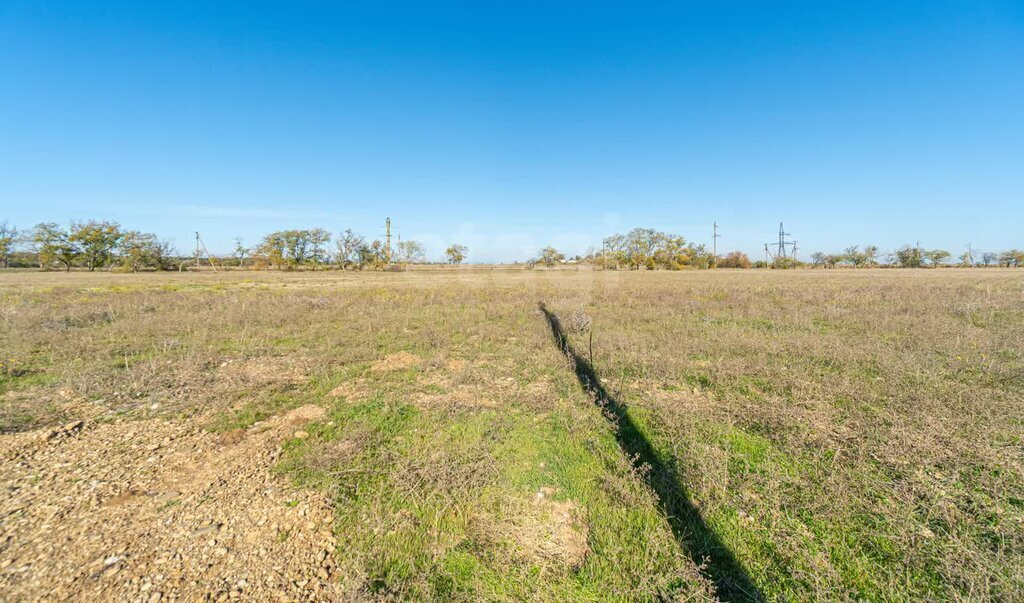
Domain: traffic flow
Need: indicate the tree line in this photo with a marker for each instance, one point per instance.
(105, 244)
(88, 244)
(910, 256)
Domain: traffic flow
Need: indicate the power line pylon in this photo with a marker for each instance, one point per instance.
(782, 242)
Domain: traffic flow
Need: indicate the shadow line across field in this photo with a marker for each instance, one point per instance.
(695, 538)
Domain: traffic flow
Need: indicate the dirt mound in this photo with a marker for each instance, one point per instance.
(351, 390)
(266, 371)
(159, 510)
(561, 531)
(462, 396)
(544, 531)
(396, 362)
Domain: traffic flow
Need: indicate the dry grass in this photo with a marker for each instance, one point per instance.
(845, 435)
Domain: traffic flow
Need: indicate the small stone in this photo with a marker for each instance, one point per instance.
(301, 434)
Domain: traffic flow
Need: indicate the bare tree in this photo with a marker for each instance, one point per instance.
(411, 252)
(348, 244)
(240, 251)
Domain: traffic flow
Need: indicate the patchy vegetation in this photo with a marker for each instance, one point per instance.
(833, 434)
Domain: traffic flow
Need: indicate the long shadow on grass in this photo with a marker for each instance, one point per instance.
(732, 582)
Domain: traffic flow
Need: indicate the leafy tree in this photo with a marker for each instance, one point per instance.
(855, 257)
(936, 256)
(319, 240)
(297, 245)
(95, 241)
(291, 248)
(348, 244)
(734, 259)
(1012, 258)
(650, 249)
(988, 258)
(372, 255)
(272, 250)
(53, 244)
(818, 258)
(549, 256)
(785, 263)
(909, 257)
(456, 254)
(966, 260)
(8, 240)
(137, 250)
(162, 253)
(411, 252)
(140, 250)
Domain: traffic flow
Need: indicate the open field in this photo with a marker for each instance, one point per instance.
(748, 435)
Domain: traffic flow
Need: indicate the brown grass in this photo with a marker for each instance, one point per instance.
(846, 434)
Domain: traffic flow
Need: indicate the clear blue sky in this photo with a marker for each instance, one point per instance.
(511, 125)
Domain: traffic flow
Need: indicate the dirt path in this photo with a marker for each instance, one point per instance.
(159, 510)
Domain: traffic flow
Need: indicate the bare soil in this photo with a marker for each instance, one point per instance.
(159, 509)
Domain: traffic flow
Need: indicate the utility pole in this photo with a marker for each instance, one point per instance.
(793, 243)
(714, 240)
(202, 246)
(970, 255)
(387, 238)
(767, 256)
